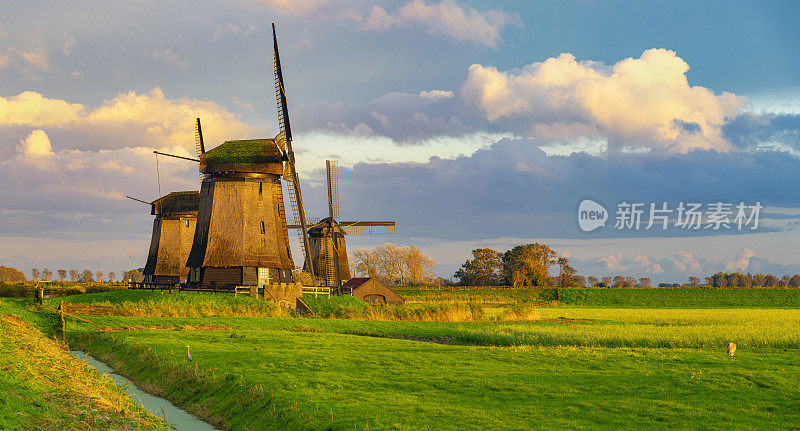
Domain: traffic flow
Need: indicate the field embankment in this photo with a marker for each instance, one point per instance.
(575, 368)
(43, 387)
(682, 298)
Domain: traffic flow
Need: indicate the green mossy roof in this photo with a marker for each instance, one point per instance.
(244, 152)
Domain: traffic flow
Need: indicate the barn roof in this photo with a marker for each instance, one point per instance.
(355, 282)
(250, 155)
(176, 203)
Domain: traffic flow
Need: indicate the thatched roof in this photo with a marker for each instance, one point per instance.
(176, 203)
(251, 155)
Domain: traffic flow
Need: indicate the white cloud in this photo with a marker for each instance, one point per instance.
(742, 260)
(31, 62)
(636, 102)
(167, 56)
(614, 262)
(684, 261)
(648, 264)
(295, 7)
(127, 120)
(447, 94)
(447, 18)
(37, 144)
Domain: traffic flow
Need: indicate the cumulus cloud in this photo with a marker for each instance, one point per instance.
(742, 260)
(30, 62)
(446, 18)
(37, 144)
(686, 262)
(127, 120)
(645, 101)
(648, 264)
(614, 262)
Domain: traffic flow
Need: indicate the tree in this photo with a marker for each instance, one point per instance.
(578, 281)
(770, 281)
(795, 281)
(73, 275)
(394, 264)
(11, 274)
(62, 274)
(484, 269)
(86, 276)
(419, 266)
(565, 272)
(607, 281)
(759, 280)
(35, 274)
(528, 265)
(47, 274)
(694, 281)
(98, 275)
(592, 280)
(785, 280)
(132, 276)
(644, 282)
(111, 277)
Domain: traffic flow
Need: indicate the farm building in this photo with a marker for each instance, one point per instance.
(173, 231)
(241, 236)
(372, 291)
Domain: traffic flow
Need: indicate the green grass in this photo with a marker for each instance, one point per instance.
(159, 303)
(476, 296)
(43, 387)
(617, 368)
(682, 298)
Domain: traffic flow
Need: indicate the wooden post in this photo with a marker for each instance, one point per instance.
(63, 322)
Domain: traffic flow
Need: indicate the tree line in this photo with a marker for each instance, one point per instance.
(10, 274)
(523, 265)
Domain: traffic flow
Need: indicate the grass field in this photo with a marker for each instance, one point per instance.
(682, 298)
(43, 387)
(510, 364)
(573, 368)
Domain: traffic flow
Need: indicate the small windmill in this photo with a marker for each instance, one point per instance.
(328, 247)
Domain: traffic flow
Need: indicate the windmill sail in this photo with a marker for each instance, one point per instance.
(198, 144)
(293, 183)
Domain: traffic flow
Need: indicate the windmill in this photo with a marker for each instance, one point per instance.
(173, 230)
(326, 236)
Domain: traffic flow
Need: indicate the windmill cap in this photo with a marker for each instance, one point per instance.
(176, 203)
(250, 156)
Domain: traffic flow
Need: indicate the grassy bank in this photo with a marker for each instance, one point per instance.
(682, 298)
(321, 373)
(26, 289)
(44, 387)
(475, 295)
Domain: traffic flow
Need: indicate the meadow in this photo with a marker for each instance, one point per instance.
(507, 364)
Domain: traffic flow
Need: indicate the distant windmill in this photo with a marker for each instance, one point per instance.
(173, 230)
(328, 247)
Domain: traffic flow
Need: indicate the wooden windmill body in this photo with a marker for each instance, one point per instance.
(241, 233)
(241, 236)
(328, 247)
(173, 232)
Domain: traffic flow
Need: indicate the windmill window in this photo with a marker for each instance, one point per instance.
(187, 223)
(263, 231)
(260, 187)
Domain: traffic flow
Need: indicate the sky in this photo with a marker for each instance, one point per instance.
(472, 124)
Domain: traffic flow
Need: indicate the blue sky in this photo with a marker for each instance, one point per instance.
(472, 123)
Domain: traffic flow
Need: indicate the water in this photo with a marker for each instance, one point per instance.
(177, 418)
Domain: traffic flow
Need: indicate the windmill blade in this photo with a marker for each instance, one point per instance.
(368, 228)
(198, 139)
(295, 196)
(294, 222)
(332, 171)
